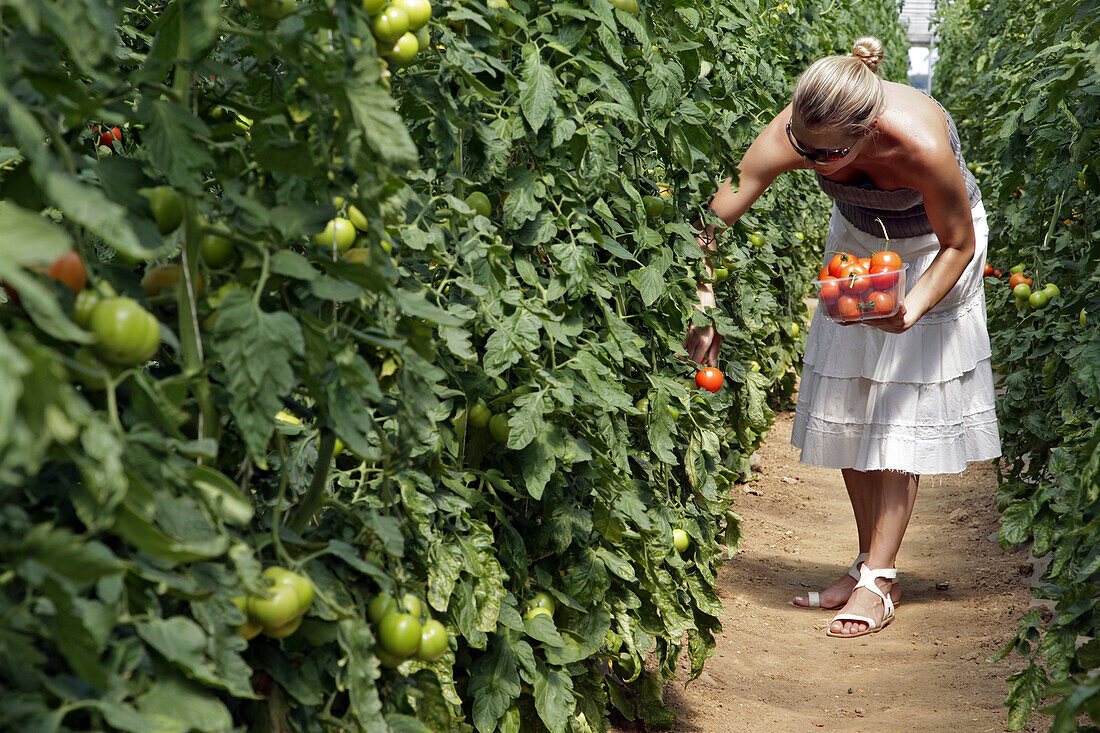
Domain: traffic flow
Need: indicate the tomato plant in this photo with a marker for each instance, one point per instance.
(163, 479)
(1048, 403)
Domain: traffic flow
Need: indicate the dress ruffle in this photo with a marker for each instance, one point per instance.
(919, 402)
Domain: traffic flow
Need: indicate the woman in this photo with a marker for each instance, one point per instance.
(890, 399)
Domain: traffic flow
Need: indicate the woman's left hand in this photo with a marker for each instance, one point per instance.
(897, 323)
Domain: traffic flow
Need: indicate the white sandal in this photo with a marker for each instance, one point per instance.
(814, 598)
(867, 579)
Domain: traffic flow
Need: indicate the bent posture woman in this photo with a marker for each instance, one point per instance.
(890, 399)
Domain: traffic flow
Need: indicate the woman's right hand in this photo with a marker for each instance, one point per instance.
(702, 342)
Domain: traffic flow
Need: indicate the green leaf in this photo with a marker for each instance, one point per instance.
(494, 684)
(256, 349)
(553, 697)
(536, 88)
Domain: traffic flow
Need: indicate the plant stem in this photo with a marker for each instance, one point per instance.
(315, 496)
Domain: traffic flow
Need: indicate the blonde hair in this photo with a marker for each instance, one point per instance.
(842, 93)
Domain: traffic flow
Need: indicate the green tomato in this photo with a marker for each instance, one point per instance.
(434, 641)
(167, 207)
(1038, 299)
(374, 7)
(399, 634)
(379, 606)
(478, 415)
(249, 629)
(542, 599)
(277, 576)
(680, 540)
(499, 428)
(721, 273)
(538, 611)
(1021, 291)
(357, 219)
(1081, 318)
(338, 231)
(654, 206)
(757, 239)
(1051, 290)
(642, 405)
(630, 6)
(754, 366)
(216, 251)
(276, 611)
(387, 660)
(281, 632)
(419, 12)
(799, 236)
(85, 303)
(792, 330)
(125, 333)
(390, 24)
(404, 49)
(95, 376)
(479, 202)
(411, 605)
(1016, 269)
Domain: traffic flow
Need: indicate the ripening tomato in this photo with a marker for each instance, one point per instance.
(830, 289)
(68, 269)
(824, 273)
(1018, 278)
(886, 258)
(866, 262)
(838, 263)
(709, 379)
(848, 308)
(988, 270)
(883, 277)
(167, 277)
(110, 137)
(881, 303)
(854, 279)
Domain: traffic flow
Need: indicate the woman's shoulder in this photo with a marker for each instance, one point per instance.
(917, 128)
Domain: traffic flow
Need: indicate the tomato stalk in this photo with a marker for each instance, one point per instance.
(190, 336)
(315, 496)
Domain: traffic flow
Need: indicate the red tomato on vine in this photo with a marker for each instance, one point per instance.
(709, 379)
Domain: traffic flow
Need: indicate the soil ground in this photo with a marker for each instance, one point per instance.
(775, 670)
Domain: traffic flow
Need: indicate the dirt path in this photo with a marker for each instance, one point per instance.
(775, 669)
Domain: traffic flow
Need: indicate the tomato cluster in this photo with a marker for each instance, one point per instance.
(1027, 299)
(405, 630)
(858, 288)
(400, 27)
(279, 613)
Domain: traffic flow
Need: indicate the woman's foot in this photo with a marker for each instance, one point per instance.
(837, 594)
(863, 602)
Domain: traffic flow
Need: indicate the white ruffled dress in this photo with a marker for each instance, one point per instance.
(920, 402)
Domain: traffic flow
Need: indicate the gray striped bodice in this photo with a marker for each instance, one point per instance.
(901, 209)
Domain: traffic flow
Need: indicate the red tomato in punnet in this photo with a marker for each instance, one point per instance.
(882, 304)
(824, 273)
(854, 279)
(830, 289)
(886, 258)
(848, 308)
(883, 277)
(842, 260)
(866, 262)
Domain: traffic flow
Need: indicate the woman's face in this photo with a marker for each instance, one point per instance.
(819, 140)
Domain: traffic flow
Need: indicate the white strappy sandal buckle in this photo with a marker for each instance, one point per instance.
(867, 579)
(814, 598)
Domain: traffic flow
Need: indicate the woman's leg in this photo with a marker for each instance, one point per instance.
(892, 506)
(862, 487)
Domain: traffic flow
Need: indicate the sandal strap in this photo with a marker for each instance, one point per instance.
(867, 578)
(854, 570)
(813, 599)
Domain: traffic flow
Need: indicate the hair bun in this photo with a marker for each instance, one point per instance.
(868, 49)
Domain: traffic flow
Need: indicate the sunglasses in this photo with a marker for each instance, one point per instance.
(822, 155)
